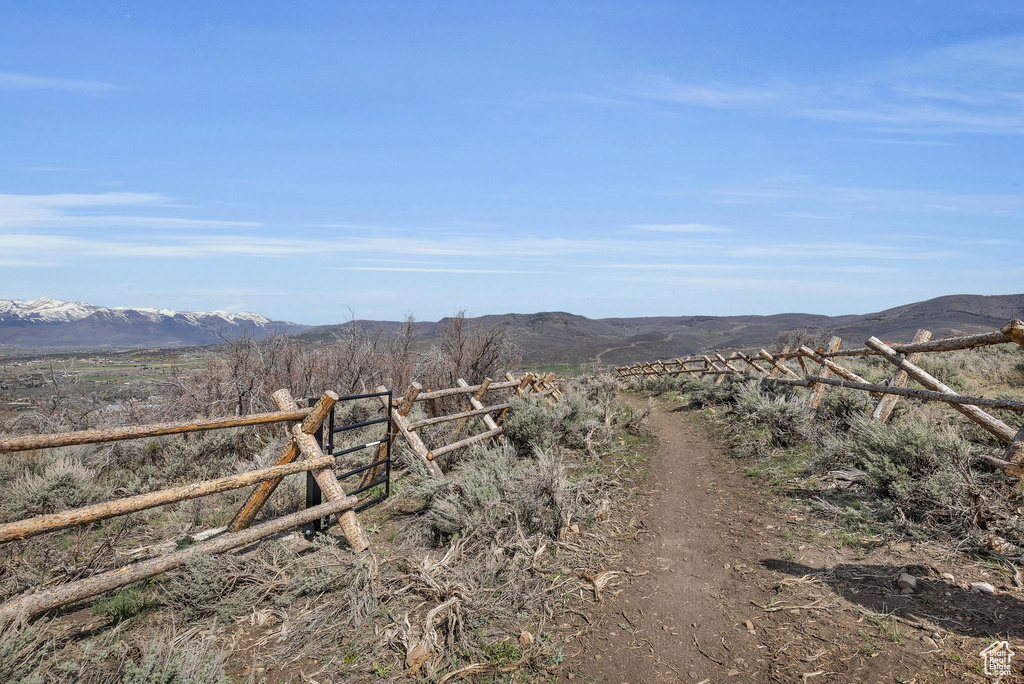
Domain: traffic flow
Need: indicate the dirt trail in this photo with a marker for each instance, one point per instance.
(656, 630)
(733, 584)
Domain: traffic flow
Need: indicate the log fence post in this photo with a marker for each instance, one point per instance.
(252, 506)
(409, 398)
(842, 372)
(778, 366)
(887, 403)
(1014, 455)
(61, 595)
(310, 449)
(51, 522)
(751, 362)
(1014, 329)
(728, 365)
(990, 423)
(474, 403)
(524, 382)
(818, 390)
(419, 449)
(432, 405)
(714, 369)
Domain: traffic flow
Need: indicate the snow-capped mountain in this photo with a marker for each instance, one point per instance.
(47, 322)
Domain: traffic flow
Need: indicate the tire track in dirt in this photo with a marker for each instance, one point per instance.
(597, 357)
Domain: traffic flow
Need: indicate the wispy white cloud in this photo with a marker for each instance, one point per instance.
(842, 250)
(917, 142)
(583, 99)
(813, 216)
(851, 199)
(24, 263)
(40, 231)
(11, 81)
(730, 283)
(1006, 52)
(744, 266)
(208, 246)
(991, 243)
(67, 200)
(146, 221)
(665, 89)
(679, 228)
(413, 269)
(79, 210)
(974, 87)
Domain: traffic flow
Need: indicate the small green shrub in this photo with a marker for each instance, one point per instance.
(501, 653)
(702, 394)
(908, 464)
(584, 418)
(531, 422)
(787, 422)
(945, 369)
(125, 603)
(846, 405)
(491, 490)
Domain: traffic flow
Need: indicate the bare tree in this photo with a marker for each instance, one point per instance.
(400, 356)
(811, 337)
(471, 352)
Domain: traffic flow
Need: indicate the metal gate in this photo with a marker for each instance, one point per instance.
(333, 445)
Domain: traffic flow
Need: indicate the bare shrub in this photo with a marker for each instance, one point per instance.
(468, 351)
(585, 418)
(226, 585)
(797, 337)
(496, 493)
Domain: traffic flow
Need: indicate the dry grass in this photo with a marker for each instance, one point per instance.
(468, 574)
(919, 475)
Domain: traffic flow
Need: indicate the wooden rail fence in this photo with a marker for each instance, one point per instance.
(817, 368)
(474, 395)
(303, 453)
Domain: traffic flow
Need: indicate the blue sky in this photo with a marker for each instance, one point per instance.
(608, 159)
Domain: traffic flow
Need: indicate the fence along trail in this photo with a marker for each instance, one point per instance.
(303, 453)
(817, 367)
(818, 370)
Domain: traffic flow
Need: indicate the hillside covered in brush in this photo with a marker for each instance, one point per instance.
(559, 337)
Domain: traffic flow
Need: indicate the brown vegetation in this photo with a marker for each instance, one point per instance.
(467, 572)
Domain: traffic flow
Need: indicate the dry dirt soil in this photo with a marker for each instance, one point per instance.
(732, 583)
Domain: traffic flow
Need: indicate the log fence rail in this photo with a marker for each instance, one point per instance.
(304, 452)
(904, 359)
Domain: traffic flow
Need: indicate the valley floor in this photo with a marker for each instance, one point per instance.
(732, 583)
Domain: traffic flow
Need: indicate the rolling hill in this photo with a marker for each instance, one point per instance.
(546, 338)
(559, 337)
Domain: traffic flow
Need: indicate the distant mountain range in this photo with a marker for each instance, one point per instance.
(47, 323)
(558, 337)
(549, 337)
